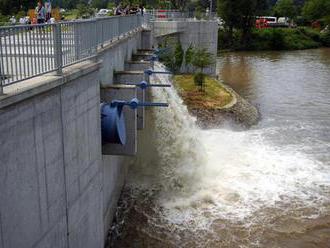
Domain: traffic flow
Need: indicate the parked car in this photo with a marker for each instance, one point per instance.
(103, 12)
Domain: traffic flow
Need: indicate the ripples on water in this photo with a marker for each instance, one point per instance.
(264, 187)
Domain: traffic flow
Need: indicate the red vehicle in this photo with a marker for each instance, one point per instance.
(262, 23)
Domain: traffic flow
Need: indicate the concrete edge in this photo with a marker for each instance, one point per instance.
(119, 41)
(232, 93)
(37, 85)
(128, 72)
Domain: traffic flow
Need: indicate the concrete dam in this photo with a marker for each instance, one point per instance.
(60, 179)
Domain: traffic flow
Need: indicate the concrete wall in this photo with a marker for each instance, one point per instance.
(197, 33)
(56, 188)
(115, 55)
(51, 165)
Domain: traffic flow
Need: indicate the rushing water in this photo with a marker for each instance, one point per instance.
(268, 186)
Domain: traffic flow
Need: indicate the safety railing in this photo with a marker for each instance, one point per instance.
(176, 15)
(27, 51)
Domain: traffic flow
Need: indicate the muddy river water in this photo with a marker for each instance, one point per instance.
(268, 186)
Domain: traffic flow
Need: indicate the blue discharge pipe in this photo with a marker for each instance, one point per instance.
(135, 103)
(144, 85)
(113, 125)
(149, 72)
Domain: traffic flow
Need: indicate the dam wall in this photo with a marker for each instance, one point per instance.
(56, 188)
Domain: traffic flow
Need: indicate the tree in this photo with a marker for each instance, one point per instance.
(189, 56)
(240, 14)
(172, 55)
(84, 11)
(285, 8)
(179, 4)
(316, 9)
(99, 4)
(178, 56)
(201, 59)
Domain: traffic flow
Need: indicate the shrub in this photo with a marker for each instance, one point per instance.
(178, 56)
(325, 38)
(199, 78)
(189, 55)
(172, 56)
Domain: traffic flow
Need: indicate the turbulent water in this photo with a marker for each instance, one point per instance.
(268, 186)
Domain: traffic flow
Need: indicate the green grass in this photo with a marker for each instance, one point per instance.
(214, 96)
(71, 14)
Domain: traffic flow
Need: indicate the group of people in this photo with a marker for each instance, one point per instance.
(42, 15)
(129, 10)
(43, 12)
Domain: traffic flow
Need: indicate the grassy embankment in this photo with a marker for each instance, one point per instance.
(213, 97)
(277, 39)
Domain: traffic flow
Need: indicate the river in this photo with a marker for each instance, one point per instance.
(268, 186)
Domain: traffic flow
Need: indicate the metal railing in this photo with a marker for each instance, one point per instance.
(27, 51)
(176, 15)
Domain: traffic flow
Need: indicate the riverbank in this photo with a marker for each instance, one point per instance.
(216, 104)
(275, 39)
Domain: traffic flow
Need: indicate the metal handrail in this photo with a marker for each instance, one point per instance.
(27, 51)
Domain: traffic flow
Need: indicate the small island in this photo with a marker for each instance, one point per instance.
(214, 104)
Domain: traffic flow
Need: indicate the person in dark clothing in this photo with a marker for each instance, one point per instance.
(40, 13)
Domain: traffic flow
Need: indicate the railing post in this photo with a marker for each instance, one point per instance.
(2, 77)
(58, 49)
(76, 33)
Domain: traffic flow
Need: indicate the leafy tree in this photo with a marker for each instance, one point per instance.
(316, 9)
(84, 10)
(179, 4)
(99, 4)
(189, 55)
(178, 56)
(172, 55)
(240, 14)
(285, 8)
(201, 59)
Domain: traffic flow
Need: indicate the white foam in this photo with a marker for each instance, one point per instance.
(220, 173)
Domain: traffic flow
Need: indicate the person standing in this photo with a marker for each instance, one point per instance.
(119, 10)
(40, 13)
(48, 9)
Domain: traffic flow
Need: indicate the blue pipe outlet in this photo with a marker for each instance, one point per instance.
(113, 124)
(144, 85)
(113, 121)
(150, 72)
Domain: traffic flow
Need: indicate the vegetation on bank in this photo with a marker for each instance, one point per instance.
(239, 33)
(176, 59)
(275, 39)
(214, 96)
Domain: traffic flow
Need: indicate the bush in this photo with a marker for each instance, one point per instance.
(178, 56)
(284, 39)
(325, 38)
(312, 33)
(4, 19)
(172, 56)
(199, 78)
(274, 39)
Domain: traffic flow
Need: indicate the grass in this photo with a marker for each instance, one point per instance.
(71, 14)
(214, 96)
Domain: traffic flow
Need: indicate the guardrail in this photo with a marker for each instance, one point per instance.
(27, 51)
(176, 15)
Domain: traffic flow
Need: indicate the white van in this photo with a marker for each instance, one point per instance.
(103, 12)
